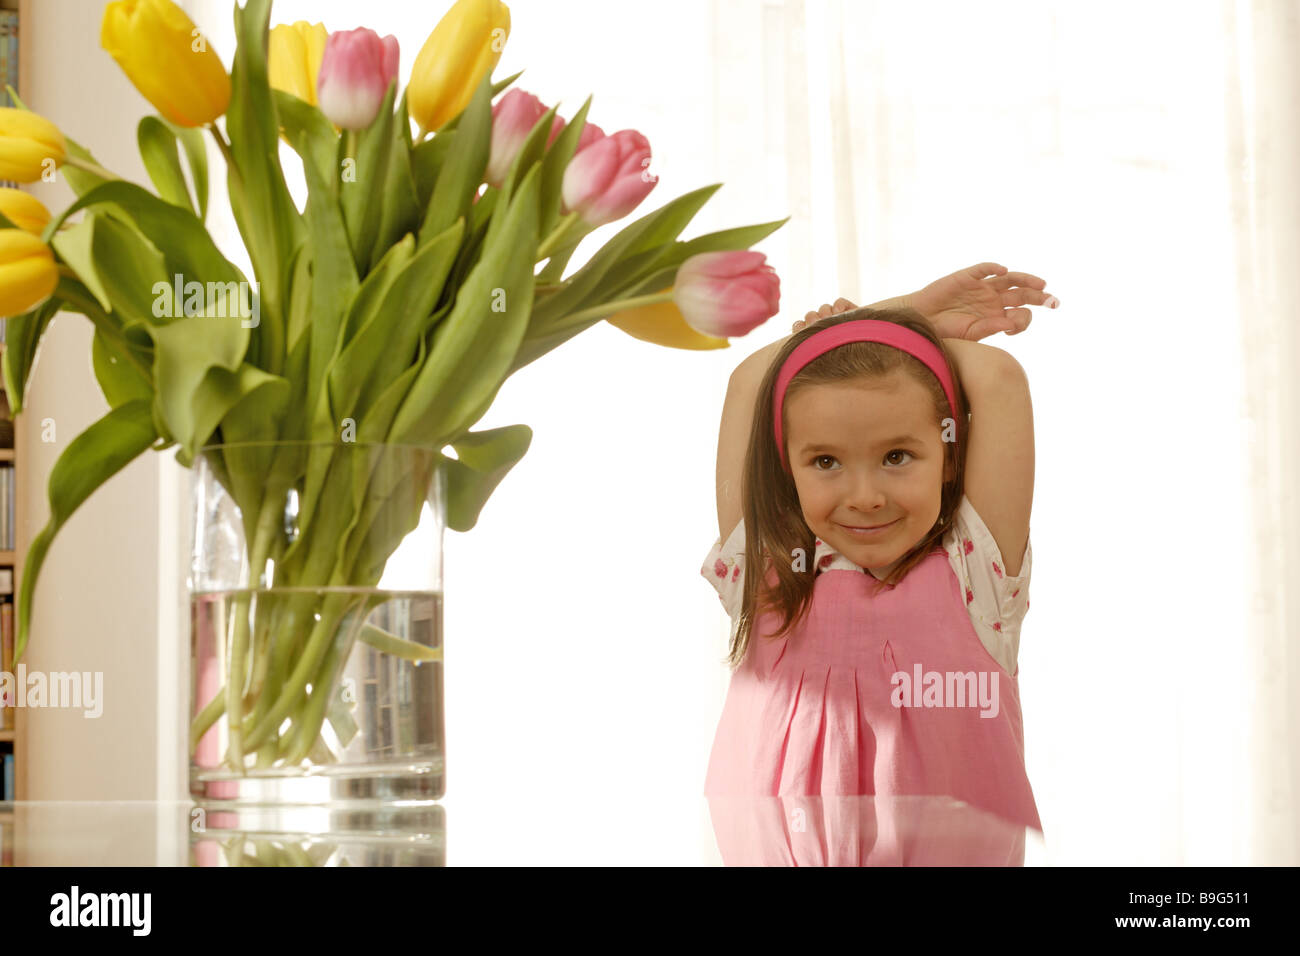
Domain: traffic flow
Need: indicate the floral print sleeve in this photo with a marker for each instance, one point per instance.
(724, 568)
(996, 602)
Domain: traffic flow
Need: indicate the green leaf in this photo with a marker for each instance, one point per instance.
(400, 208)
(120, 380)
(162, 161)
(309, 132)
(384, 346)
(392, 511)
(196, 155)
(665, 271)
(531, 151)
(585, 286)
(259, 198)
(482, 460)
(22, 340)
(188, 401)
(427, 160)
(345, 376)
(361, 211)
(378, 418)
(557, 161)
(185, 244)
(474, 346)
(462, 173)
(248, 404)
(132, 274)
(75, 246)
(90, 459)
(334, 279)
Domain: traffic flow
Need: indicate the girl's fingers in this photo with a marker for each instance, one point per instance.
(985, 269)
(843, 305)
(1029, 297)
(1012, 279)
(1019, 320)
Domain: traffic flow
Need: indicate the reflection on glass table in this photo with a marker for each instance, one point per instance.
(763, 831)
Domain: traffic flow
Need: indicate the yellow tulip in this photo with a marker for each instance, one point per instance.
(463, 48)
(27, 272)
(24, 211)
(662, 324)
(154, 43)
(294, 59)
(26, 142)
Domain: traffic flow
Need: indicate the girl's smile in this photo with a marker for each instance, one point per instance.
(868, 465)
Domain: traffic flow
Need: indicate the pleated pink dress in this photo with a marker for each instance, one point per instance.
(822, 711)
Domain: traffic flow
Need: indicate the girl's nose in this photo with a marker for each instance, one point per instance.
(866, 496)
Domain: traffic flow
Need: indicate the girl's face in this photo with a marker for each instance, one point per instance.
(865, 454)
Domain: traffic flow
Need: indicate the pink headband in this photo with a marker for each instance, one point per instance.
(859, 330)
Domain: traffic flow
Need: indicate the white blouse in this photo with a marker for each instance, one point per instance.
(995, 601)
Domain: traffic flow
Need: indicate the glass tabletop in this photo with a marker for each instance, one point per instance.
(521, 829)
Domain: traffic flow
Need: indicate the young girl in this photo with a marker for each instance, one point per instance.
(889, 468)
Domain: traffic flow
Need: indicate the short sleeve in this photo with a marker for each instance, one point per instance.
(724, 568)
(996, 601)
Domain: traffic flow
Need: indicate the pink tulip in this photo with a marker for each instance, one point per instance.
(727, 294)
(355, 72)
(590, 133)
(604, 180)
(513, 118)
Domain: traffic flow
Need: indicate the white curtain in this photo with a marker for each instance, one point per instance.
(1137, 156)
(1264, 171)
(1143, 159)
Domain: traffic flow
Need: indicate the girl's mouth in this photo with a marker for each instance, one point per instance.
(869, 532)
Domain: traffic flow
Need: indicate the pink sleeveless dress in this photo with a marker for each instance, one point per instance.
(827, 711)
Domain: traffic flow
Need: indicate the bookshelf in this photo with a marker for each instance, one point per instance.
(13, 740)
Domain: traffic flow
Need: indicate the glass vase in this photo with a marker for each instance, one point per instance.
(315, 592)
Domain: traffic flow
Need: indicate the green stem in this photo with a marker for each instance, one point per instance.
(609, 308)
(312, 716)
(305, 667)
(267, 525)
(206, 718)
(222, 145)
(552, 242)
(395, 646)
(90, 167)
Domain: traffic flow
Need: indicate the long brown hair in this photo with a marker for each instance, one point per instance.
(774, 521)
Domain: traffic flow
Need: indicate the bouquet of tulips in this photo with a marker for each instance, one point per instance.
(426, 267)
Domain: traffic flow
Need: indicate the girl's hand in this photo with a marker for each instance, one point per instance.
(970, 304)
(841, 305)
(974, 303)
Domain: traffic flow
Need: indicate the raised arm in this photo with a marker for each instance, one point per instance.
(1000, 456)
(733, 434)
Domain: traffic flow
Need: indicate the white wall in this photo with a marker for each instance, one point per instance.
(101, 604)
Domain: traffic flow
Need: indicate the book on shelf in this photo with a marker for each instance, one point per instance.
(7, 699)
(6, 420)
(8, 69)
(6, 505)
